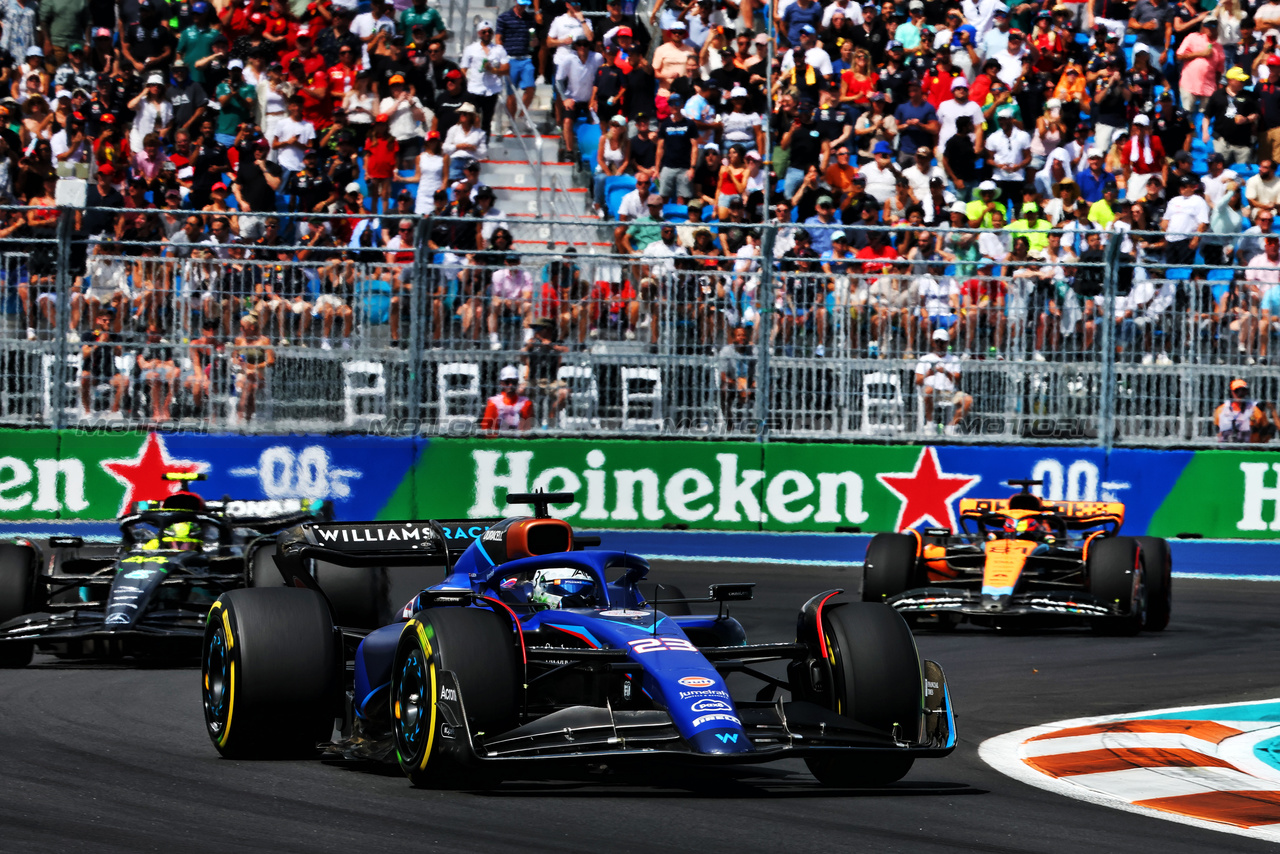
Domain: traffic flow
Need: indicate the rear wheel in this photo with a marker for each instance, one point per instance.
(478, 647)
(263, 572)
(890, 567)
(877, 681)
(18, 574)
(1116, 578)
(1157, 571)
(271, 669)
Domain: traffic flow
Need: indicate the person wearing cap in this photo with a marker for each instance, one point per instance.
(406, 119)
(515, 31)
(486, 64)
(568, 28)
(960, 105)
(815, 57)
(508, 412)
(1143, 155)
(236, 100)
(196, 40)
(1240, 420)
(646, 228)
(1234, 113)
(75, 73)
(1095, 177)
(910, 33)
(152, 111)
(937, 375)
(670, 57)
(1203, 62)
(740, 125)
(575, 81)
(1151, 22)
(1009, 154)
(1186, 217)
(189, 99)
(791, 18)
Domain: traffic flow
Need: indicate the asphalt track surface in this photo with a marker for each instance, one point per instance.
(109, 758)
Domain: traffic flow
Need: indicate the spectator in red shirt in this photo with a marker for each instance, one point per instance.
(983, 301)
(343, 75)
(508, 411)
(311, 60)
(877, 256)
(380, 162)
(317, 106)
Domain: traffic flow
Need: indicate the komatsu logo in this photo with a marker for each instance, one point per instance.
(375, 534)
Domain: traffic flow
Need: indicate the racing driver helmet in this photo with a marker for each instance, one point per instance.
(552, 586)
(181, 537)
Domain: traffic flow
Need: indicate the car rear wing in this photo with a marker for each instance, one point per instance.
(373, 544)
(1076, 514)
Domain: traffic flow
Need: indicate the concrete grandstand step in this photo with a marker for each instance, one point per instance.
(509, 173)
(576, 195)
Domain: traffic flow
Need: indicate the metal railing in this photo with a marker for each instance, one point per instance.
(325, 334)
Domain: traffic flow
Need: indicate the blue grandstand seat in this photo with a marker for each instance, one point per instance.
(615, 187)
(588, 136)
(376, 296)
(1180, 274)
(675, 213)
(1220, 274)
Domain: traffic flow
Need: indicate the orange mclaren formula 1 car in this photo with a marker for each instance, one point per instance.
(1025, 560)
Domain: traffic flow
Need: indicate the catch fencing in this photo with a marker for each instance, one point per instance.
(620, 329)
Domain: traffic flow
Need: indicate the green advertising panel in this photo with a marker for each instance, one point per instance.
(1224, 495)
(713, 485)
(34, 481)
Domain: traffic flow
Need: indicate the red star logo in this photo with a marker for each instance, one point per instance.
(143, 476)
(927, 494)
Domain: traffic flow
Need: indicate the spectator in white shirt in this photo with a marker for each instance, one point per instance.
(485, 64)
(1010, 150)
(465, 142)
(575, 79)
(291, 137)
(406, 122)
(1185, 218)
(367, 25)
(959, 105)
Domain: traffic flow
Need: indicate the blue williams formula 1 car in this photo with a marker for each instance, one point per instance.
(533, 650)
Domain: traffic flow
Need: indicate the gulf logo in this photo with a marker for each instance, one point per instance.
(696, 681)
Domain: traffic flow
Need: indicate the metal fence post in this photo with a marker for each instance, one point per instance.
(764, 344)
(1107, 416)
(62, 287)
(419, 317)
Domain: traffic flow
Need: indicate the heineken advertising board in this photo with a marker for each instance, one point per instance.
(637, 484)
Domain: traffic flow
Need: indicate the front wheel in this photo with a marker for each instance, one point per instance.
(1157, 572)
(1116, 579)
(890, 567)
(271, 673)
(478, 647)
(877, 680)
(18, 575)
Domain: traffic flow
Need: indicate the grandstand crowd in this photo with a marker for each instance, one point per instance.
(253, 164)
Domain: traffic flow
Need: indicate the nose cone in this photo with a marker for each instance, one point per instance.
(721, 741)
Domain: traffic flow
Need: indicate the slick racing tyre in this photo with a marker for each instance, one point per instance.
(479, 648)
(1157, 575)
(271, 669)
(262, 570)
(1116, 578)
(877, 681)
(890, 567)
(18, 576)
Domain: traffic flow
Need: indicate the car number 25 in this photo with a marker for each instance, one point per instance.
(660, 644)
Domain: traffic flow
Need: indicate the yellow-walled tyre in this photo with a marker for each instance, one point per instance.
(478, 647)
(270, 673)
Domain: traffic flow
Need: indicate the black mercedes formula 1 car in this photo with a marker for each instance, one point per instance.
(149, 592)
(1025, 560)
